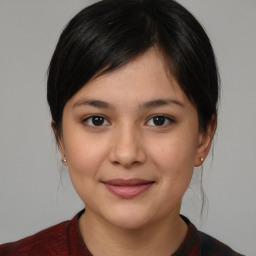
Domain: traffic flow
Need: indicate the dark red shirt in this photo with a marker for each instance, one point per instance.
(65, 239)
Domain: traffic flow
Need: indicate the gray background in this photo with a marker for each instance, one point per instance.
(35, 191)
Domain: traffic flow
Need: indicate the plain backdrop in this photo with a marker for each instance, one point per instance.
(35, 191)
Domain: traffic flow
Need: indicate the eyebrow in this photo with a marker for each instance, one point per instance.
(161, 102)
(93, 103)
(147, 104)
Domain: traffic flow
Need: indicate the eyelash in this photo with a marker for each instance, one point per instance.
(94, 116)
(166, 119)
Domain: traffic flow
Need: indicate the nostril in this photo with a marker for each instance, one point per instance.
(127, 149)
(127, 165)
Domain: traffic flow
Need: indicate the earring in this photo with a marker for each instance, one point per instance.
(202, 159)
(64, 161)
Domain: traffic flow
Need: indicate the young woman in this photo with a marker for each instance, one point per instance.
(133, 92)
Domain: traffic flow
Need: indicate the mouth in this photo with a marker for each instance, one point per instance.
(128, 188)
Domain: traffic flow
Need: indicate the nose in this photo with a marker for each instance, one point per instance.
(127, 148)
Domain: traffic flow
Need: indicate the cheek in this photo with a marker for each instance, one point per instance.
(85, 157)
(174, 154)
(84, 153)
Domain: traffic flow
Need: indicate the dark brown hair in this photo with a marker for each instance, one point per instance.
(110, 33)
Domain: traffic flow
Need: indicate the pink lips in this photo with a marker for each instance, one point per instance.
(128, 188)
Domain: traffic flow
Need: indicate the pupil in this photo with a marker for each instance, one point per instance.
(97, 120)
(159, 120)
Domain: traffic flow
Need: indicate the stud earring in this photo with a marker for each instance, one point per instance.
(202, 159)
(64, 160)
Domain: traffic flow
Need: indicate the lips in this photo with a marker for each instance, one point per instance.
(128, 188)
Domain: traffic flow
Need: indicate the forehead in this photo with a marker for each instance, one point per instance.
(142, 79)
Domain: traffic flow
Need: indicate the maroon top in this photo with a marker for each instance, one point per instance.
(65, 239)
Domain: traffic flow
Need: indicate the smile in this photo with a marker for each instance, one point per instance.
(128, 188)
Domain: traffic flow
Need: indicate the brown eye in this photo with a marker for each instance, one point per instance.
(96, 121)
(160, 121)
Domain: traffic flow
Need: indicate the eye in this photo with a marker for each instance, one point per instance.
(160, 121)
(96, 121)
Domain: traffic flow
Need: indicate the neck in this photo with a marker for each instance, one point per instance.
(160, 238)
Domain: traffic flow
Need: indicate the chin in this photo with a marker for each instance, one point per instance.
(129, 223)
(130, 218)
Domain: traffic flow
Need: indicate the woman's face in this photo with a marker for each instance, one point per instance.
(131, 140)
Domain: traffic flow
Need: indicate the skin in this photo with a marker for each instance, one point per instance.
(129, 144)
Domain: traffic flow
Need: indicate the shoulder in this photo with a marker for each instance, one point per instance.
(211, 246)
(198, 243)
(47, 242)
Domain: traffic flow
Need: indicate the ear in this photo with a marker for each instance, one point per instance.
(205, 141)
(59, 141)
